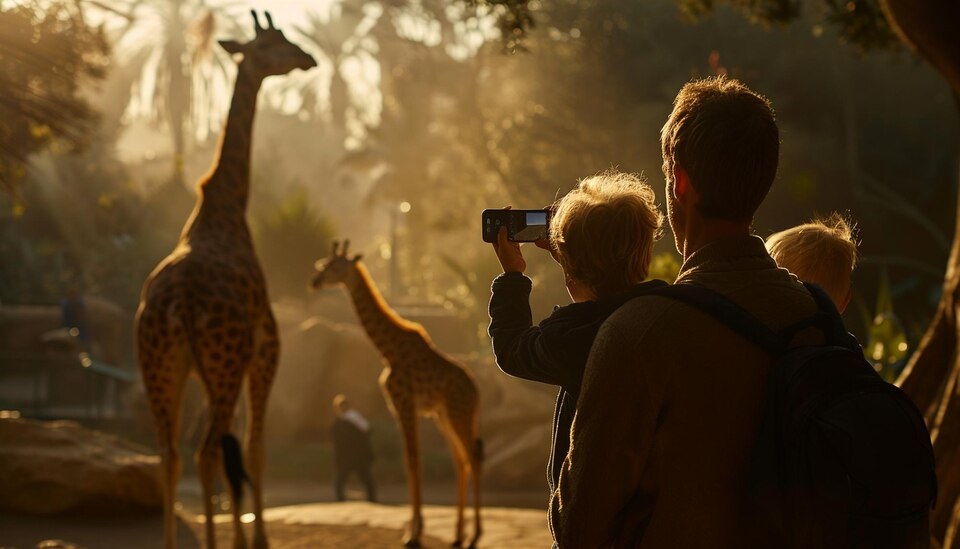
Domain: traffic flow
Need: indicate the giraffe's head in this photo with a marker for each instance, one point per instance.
(270, 53)
(336, 268)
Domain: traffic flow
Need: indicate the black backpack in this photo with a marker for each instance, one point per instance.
(843, 458)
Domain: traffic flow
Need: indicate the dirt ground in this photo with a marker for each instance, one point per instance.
(313, 525)
(147, 533)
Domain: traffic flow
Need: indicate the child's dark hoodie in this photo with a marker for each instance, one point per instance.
(555, 352)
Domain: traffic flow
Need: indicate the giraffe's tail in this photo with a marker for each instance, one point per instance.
(233, 465)
(478, 450)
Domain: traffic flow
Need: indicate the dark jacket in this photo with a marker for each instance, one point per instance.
(351, 446)
(555, 352)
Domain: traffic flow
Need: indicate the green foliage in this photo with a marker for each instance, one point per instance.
(514, 18)
(886, 347)
(47, 52)
(289, 239)
(665, 266)
(860, 22)
(87, 226)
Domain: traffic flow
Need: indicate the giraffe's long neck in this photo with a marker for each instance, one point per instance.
(224, 191)
(384, 326)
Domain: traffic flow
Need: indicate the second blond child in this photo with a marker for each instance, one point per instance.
(823, 252)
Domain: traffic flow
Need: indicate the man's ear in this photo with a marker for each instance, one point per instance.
(231, 46)
(681, 182)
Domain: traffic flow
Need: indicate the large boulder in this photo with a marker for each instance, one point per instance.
(60, 466)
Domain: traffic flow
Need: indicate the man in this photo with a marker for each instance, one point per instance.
(671, 401)
(351, 449)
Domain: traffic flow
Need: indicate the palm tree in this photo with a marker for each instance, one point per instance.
(180, 80)
(335, 38)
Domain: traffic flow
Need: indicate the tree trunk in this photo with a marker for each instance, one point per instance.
(931, 378)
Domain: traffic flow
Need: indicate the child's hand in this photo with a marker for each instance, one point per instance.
(509, 253)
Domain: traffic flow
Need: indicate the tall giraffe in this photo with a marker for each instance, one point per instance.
(417, 380)
(204, 309)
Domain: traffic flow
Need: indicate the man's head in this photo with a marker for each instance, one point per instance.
(603, 232)
(720, 152)
(340, 404)
(823, 252)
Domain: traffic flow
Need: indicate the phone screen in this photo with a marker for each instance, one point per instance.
(535, 227)
(521, 225)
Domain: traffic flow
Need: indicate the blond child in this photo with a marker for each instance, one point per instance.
(823, 251)
(602, 234)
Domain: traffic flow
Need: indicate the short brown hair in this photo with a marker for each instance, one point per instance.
(724, 135)
(604, 229)
(823, 251)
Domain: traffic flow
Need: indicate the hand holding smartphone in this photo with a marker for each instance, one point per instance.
(522, 225)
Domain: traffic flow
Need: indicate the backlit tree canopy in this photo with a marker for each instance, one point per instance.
(46, 54)
(860, 22)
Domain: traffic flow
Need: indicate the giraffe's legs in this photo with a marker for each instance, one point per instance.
(407, 418)
(259, 380)
(466, 427)
(459, 454)
(476, 469)
(210, 461)
(164, 378)
(168, 433)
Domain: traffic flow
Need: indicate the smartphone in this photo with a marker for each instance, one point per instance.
(522, 225)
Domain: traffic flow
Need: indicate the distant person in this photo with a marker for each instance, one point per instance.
(352, 452)
(602, 234)
(822, 251)
(73, 314)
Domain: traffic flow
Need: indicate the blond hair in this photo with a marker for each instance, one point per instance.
(604, 229)
(823, 251)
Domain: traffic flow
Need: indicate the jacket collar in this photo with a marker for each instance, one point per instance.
(740, 253)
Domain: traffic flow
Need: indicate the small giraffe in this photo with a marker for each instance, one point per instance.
(417, 380)
(204, 309)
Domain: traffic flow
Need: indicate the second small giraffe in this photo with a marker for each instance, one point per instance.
(418, 380)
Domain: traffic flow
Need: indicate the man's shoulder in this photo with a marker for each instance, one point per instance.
(774, 302)
(643, 318)
(647, 309)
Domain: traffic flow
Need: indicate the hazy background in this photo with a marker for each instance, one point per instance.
(414, 121)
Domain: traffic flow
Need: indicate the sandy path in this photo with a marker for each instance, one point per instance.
(313, 525)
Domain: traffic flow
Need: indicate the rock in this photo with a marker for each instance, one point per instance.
(60, 466)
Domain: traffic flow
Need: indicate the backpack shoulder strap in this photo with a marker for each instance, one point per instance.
(826, 306)
(727, 312)
(827, 319)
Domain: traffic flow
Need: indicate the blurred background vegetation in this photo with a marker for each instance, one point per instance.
(419, 103)
(421, 113)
